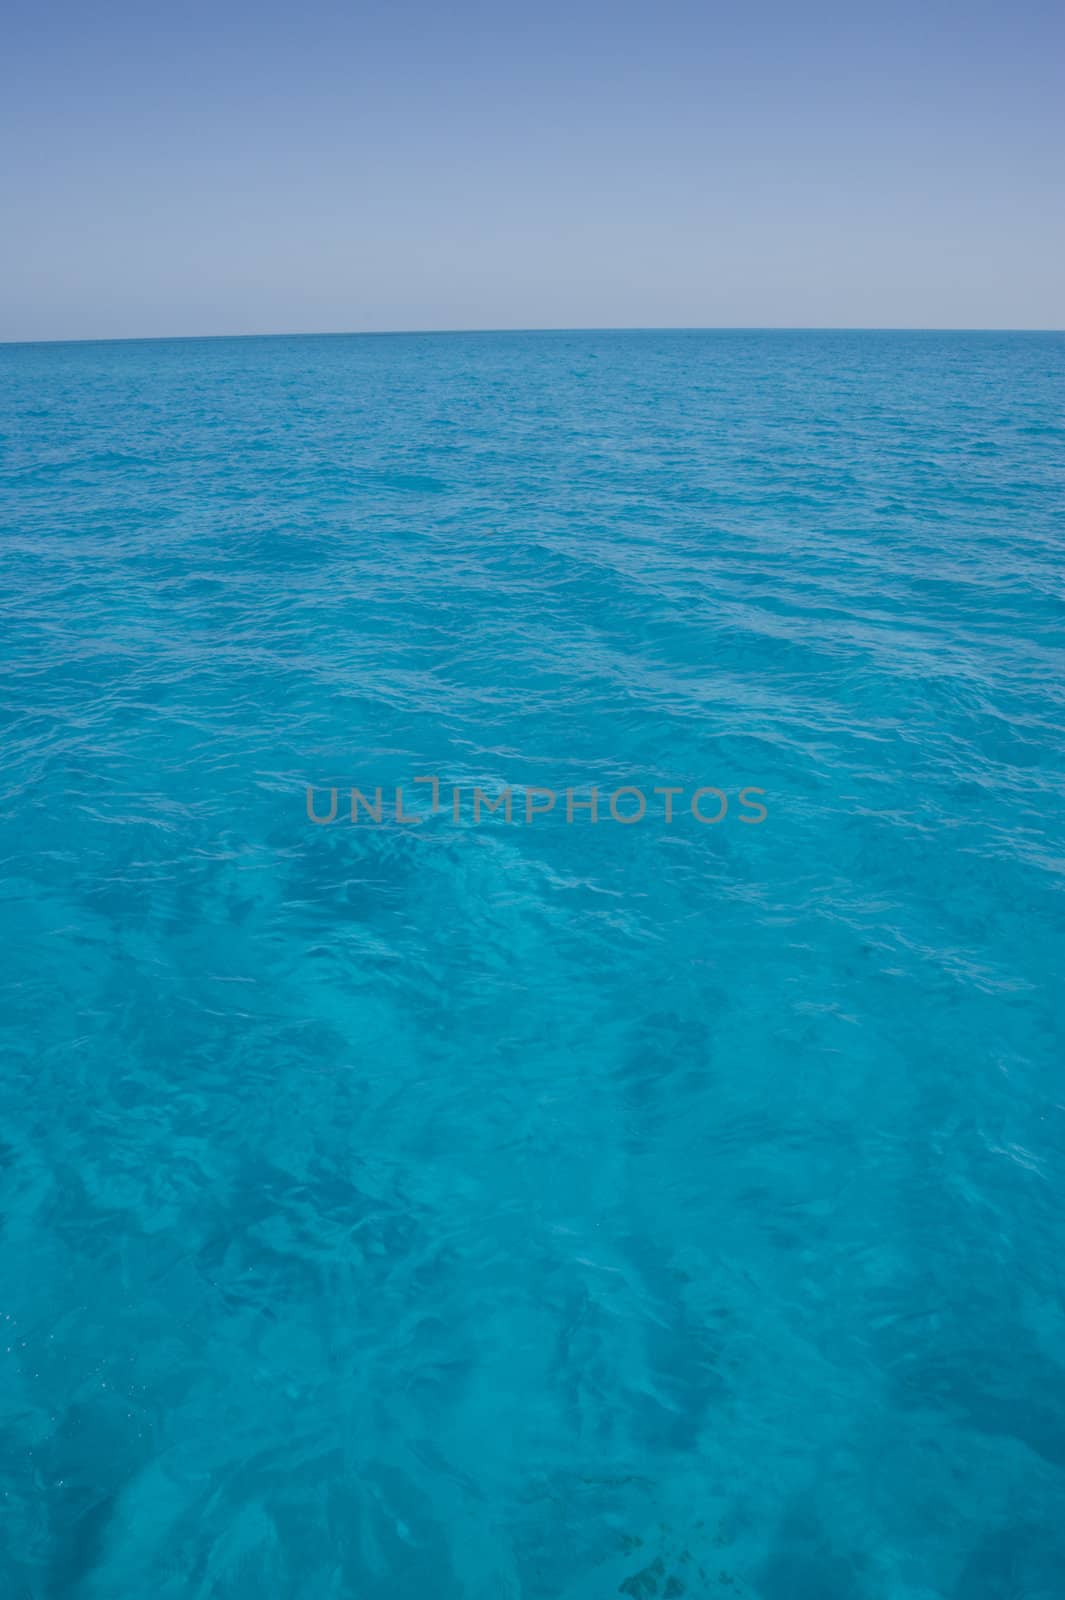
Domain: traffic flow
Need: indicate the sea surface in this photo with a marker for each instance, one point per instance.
(463, 1209)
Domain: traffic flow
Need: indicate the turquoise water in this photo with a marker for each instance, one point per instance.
(554, 1209)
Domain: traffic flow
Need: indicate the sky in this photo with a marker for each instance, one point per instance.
(258, 168)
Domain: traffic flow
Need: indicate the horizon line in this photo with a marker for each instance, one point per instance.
(443, 333)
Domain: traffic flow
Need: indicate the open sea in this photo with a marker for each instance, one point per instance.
(666, 1202)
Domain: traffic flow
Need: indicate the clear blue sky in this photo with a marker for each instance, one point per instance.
(256, 168)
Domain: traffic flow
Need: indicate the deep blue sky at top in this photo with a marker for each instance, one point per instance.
(256, 167)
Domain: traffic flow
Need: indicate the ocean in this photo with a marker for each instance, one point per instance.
(626, 1156)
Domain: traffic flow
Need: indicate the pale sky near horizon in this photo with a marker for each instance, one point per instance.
(241, 169)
